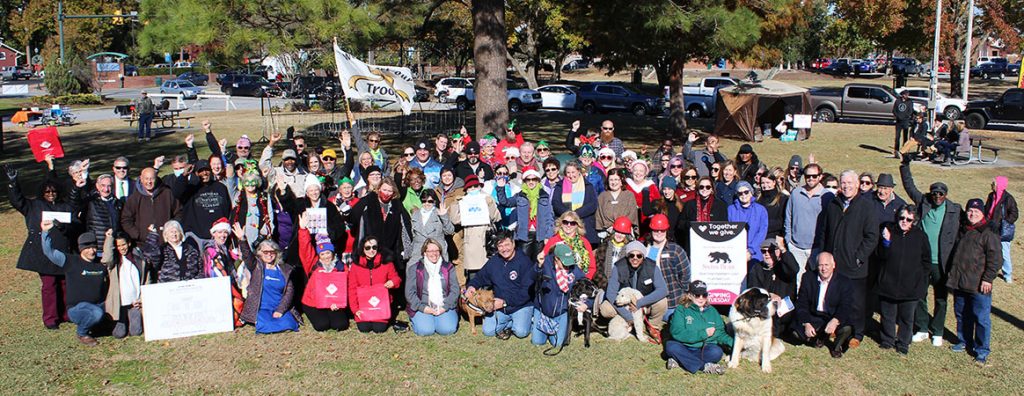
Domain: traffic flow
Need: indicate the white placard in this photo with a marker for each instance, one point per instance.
(802, 121)
(187, 308)
(718, 256)
(60, 217)
(473, 210)
(21, 89)
(317, 218)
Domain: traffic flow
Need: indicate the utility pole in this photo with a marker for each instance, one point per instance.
(60, 27)
(134, 16)
(967, 51)
(933, 83)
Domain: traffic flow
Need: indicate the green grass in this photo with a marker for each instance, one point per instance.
(37, 361)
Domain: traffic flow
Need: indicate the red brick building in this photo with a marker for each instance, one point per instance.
(9, 56)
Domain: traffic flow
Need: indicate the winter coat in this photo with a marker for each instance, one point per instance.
(392, 231)
(586, 212)
(776, 212)
(361, 274)
(112, 259)
(756, 218)
(1006, 209)
(907, 265)
(101, 215)
(779, 280)
(204, 203)
(556, 239)
(251, 307)
(296, 206)
(31, 257)
(851, 235)
(436, 227)
(143, 209)
(416, 278)
(168, 267)
(689, 325)
(950, 229)
(609, 209)
(545, 214)
(551, 300)
(719, 212)
(977, 258)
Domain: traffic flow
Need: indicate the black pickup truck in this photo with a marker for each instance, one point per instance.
(1008, 109)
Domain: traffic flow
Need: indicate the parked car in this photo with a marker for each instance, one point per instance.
(708, 86)
(700, 106)
(612, 97)
(451, 88)
(820, 63)
(160, 65)
(840, 66)
(905, 66)
(15, 73)
(864, 66)
(951, 108)
(421, 95)
(1013, 69)
(558, 96)
(990, 70)
(870, 101)
(576, 64)
(991, 59)
(131, 70)
(195, 78)
(519, 97)
(184, 65)
(311, 86)
(248, 85)
(1008, 109)
(926, 69)
(183, 87)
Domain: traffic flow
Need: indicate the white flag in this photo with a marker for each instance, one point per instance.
(380, 83)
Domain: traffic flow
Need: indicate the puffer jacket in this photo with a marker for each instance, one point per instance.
(168, 266)
(102, 215)
(977, 257)
(906, 264)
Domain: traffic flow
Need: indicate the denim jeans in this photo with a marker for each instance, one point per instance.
(539, 338)
(1007, 263)
(145, 125)
(973, 321)
(693, 359)
(86, 316)
(519, 321)
(424, 324)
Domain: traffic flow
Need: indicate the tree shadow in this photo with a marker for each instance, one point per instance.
(1006, 316)
(874, 148)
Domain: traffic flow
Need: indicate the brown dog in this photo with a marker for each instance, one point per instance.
(478, 305)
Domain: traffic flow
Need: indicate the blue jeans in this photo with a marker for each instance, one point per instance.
(424, 324)
(973, 321)
(145, 125)
(1007, 264)
(86, 316)
(539, 338)
(519, 321)
(693, 359)
(946, 148)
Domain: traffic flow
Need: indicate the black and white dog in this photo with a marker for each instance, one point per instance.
(584, 291)
(751, 316)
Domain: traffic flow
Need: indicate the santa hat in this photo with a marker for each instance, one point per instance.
(220, 224)
(529, 172)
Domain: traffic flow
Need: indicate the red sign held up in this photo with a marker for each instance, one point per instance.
(45, 141)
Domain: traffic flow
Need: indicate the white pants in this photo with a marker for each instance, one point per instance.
(801, 255)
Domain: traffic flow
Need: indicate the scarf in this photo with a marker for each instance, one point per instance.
(533, 196)
(574, 193)
(576, 244)
(979, 226)
(1001, 183)
(562, 278)
(704, 208)
(435, 289)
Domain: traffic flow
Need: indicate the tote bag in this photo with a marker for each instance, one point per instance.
(375, 302)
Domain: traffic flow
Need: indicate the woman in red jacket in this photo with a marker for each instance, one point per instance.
(369, 281)
(570, 231)
(323, 300)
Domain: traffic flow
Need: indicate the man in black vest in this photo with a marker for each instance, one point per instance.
(86, 280)
(641, 273)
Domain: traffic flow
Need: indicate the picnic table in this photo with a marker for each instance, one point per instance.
(165, 118)
(974, 153)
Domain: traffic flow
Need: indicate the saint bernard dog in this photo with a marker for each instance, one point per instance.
(751, 317)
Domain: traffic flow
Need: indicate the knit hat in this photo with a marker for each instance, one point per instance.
(636, 246)
(220, 224)
(628, 153)
(423, 144)
(473, 147)
(244, 139)
(323, 244)
(370, 169)
(743, 184)
(669, 182)
(796, 161)
(564, 253)
(471, 181)
(606, 151)
(202, 164)
(976, 203)
(86, 240)
(312, 181)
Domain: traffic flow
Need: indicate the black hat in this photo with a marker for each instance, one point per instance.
(885, 180)
(202, 164)
(939, 187)
(796, 161)
(423, 144)
(86, 240)
(976, 203)
(746, 149)
(473, 147)
(698, 288)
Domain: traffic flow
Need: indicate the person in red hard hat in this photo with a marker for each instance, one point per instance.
(671, 258)
(614, 246)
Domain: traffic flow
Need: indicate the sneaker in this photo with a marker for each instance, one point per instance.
(958, 347)
(920, 336)
(1008, 279)
(86, 340)
(885, 346)
(937, 341)
(854, 343)
(671, 363)
(713, 368)
(981, 362)
(504, 334)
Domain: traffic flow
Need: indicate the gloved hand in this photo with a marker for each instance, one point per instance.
(11, 172)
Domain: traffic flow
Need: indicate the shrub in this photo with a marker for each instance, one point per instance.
(71, 99)
(71, 77)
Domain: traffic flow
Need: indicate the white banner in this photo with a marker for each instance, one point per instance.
(473, 210)
(11, 89)
(370, 82)
(718, 256)
(187, 308)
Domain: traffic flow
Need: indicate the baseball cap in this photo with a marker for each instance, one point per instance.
(698, 288)
(289, 153)
(564, 252)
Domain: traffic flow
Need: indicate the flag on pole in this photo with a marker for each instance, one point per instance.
(370, 82)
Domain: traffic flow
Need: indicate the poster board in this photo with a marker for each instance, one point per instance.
(187, 308)
(718, 256)
(473, 210)
(802, 121)
(317, 218)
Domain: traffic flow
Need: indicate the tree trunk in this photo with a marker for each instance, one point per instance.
(489, 54)
(677, 108)
(955, 82)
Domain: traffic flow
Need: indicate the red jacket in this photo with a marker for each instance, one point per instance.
(556, 239)
(360, 275)
(311, 264)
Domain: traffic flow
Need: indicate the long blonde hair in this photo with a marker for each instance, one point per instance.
(581, 230)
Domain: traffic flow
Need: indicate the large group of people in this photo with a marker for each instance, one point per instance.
(444, 219)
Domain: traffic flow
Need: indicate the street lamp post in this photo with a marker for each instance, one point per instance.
(967, 51)
(933, 83)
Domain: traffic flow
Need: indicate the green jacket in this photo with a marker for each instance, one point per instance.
(689, 326)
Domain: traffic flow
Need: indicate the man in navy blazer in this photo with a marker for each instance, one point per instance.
(821, 314)
(123, 185)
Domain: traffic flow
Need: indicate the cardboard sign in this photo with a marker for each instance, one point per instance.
(718, 256)
(375, 302)
(187, 308)
(326, 289)
(317, 218)
(802, 121)
(45, 141)
(473, 210)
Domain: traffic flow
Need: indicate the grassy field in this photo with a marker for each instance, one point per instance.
(37, 361)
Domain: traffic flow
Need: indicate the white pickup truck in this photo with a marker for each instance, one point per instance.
(707, 86)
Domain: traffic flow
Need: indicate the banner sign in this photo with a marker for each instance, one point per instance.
(370, 82)
(108, 67)
(187, 308)
(718, 256)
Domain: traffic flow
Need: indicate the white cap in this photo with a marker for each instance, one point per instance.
(312, 181)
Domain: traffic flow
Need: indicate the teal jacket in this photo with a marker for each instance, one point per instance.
(689, 326)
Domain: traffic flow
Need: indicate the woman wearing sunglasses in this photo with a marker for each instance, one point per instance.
(570, 231)
(687, 188)
(268, 304)
(903, 278)
(429, 222)
(706, 207)
(533, 215)
(372, 268)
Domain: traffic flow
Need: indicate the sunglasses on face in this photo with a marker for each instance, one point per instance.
(716, 169)
(551, 170)
(501, 174)
(607, 129)
(866, 182)
(680, 166)
(533, 179)
(300, 145)
(636, 255)
(568, 222)
(705, 187)
(374, 140)
(370, 247)
(409, 154)
(811, 176)
(690, 177)
(908, 219)
(121, 167)
(938, 194)
(765, 251)
(428, 201)
(510, 158)
(543, 149)
(831, 186)
(331, 159)
(702, 295)
(268, 252)
(606, 157)
(250, 184)
(743, 193)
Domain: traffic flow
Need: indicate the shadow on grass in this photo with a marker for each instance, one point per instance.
(1013, 320)
(873, 148)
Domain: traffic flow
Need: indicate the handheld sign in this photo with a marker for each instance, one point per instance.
(718, 256)
(45, 141)
(187, 308)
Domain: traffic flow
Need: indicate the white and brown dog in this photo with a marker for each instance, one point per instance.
(751, 316)
(619, 329)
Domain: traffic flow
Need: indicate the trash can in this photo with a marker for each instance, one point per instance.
(159, 81)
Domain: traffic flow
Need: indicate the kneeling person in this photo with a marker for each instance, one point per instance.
(640, 273)
(698, 334)
(551, 313)
(86, 282)
(511, 275)
(824, 307)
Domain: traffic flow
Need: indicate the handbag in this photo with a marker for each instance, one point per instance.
(326, 289)
(1006, 228)
(375, 303)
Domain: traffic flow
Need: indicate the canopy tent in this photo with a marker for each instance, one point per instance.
(741, 108)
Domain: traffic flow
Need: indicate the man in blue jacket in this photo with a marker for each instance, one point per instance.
(511, 275)
(431, 168)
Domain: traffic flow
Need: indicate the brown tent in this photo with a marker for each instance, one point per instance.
(742, 108)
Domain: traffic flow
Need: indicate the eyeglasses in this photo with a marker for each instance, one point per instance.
(811, 175)
(332, 159)
(374, 140)
(742, 193)
(705, 187)
(268, 252)
(680, 166)
(409, 154)
(607, 128)
(664, 160)
(551, 170)
(702, 295)
(765, 251)
(568, 222)
(121, 167)
(831, 186)
(938, 193)
(501, 174)
(543, 149)
(370, 247)
(905, 218)
(242, 147)
(866, 182)
(716, 169)
(636, 255)
(690, 177)
(533, 179)
(300, 145)
(428, 201)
